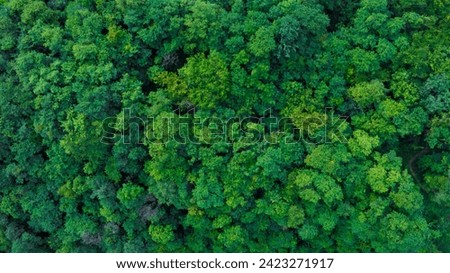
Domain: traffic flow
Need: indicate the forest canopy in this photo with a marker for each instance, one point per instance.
(224, 126)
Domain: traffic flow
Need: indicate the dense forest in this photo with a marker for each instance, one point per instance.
(225, 126)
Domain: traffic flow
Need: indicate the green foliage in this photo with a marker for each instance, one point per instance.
(224, 126)
(203, 81)
(366, 94)
(161, 234)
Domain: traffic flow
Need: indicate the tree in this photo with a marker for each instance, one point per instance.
(204, 80)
